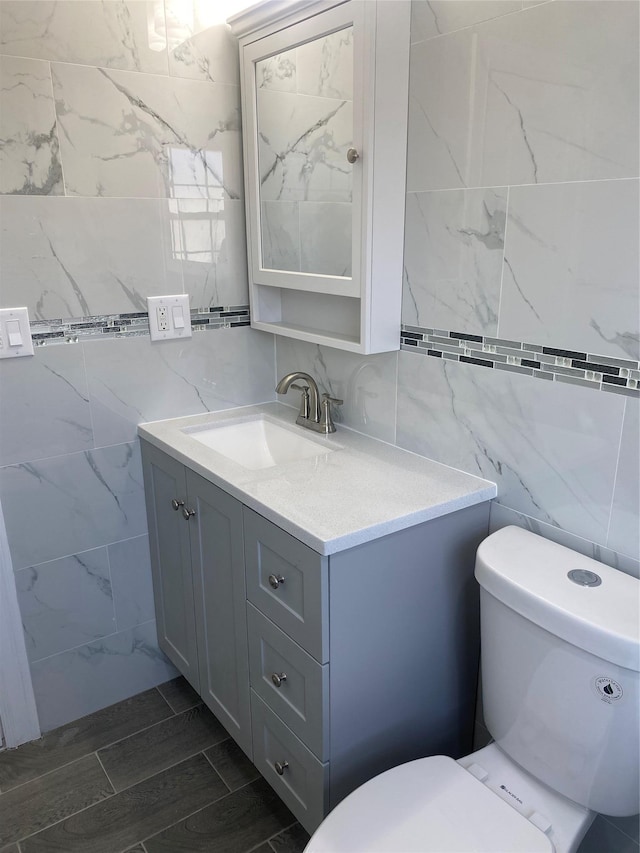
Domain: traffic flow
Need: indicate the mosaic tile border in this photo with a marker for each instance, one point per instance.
(598, 372)
(107, 326)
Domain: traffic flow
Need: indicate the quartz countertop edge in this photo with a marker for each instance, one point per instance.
(363, 490)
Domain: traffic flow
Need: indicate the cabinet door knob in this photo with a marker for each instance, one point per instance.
(281, 766)
(275, 581)
(278, 678)
(176, 504)
(352, 155)
(187, 513)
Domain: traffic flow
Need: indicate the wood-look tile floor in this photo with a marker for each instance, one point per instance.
(153, 774)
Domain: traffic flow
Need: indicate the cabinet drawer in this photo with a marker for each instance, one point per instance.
(290, 681)
(287, 581)
(303, 782)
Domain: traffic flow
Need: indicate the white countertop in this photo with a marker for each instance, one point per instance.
(362, 490)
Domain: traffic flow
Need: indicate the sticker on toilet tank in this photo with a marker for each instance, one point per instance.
(607, 689)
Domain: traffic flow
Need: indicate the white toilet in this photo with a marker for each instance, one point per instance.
(560, 675)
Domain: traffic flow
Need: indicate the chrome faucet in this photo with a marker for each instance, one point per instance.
(315, 413)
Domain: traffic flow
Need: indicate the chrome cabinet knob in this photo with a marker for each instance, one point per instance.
(176, 504)
(352, 155)
(188, 513)
(281, 766)
(275, 581)
(278, 678)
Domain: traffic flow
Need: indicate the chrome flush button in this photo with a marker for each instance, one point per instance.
(584, 578)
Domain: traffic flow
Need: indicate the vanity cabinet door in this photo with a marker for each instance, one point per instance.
(166, 498)
(220, 612)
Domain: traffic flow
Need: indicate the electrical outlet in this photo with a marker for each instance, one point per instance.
(169, 317)
(163, 320)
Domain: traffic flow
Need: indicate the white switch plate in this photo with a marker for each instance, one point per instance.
(14, 322)
(164, 311)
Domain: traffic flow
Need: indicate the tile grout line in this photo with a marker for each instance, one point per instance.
(213, 765)
(202, 808)
(199, 701)
(104, 770)
(84, 755)
(115, 794)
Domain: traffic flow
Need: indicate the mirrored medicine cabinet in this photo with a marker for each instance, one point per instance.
(324, 108)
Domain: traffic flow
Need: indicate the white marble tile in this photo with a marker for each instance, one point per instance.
(503, 103)
(280, 229)
(66, 603)
(325, 238)
(29, 149)
(130, 566)
(624, 531)
(431, 18)
(45, 405)
(68, 504)
(454, 244)
(550, 447)
(112, 33)
(139, 135)
(325, 66)
(132, 380)
(76, 683)
(367, 384)
(76, 257)
(302, 152)
(209, 237)
(502, 516)
(204, 52)
(278, 73)
(571, 267)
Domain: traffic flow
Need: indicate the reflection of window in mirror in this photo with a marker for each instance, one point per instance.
(305, 127)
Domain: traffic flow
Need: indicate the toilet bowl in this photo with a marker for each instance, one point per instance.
(560, 672)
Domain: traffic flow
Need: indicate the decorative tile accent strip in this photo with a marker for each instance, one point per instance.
(599, 372)
(75, 330)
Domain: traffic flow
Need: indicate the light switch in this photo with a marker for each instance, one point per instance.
(178, 317)
(15, 333)
(169, 317)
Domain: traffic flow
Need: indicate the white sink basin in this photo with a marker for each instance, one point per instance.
(258, 442)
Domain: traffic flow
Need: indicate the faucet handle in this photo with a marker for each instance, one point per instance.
(326, 421)
(305, 406)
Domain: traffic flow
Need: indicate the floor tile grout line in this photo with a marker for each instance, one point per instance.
(198, 702)
(201, 809)
(175, 764)
(111, 796)
(214, 766)
(84, 755)
(105, 771)
(270, 838)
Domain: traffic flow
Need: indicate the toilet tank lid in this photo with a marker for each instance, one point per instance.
(529, 574)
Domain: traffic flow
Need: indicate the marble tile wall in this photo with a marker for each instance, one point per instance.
(522, 218)
(120, 178)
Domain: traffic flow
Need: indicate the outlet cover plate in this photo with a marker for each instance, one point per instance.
(177, 309)
(15, 333)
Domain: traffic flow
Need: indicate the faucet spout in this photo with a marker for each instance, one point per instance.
(314, 396)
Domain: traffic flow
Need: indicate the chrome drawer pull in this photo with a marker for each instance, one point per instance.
(188, 513)
(176, 504)
(275, 581)
(281, 766)
(278, 678)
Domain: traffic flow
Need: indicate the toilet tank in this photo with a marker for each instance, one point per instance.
(560, 668)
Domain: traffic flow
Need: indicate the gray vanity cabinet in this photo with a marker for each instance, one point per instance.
(165, 484)
(325, 669)
(195, 532)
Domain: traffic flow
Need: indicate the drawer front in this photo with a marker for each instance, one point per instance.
(303, 781)
(287, 581)
(290, 681)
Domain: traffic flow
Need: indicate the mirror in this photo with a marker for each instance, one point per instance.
(304, 114)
